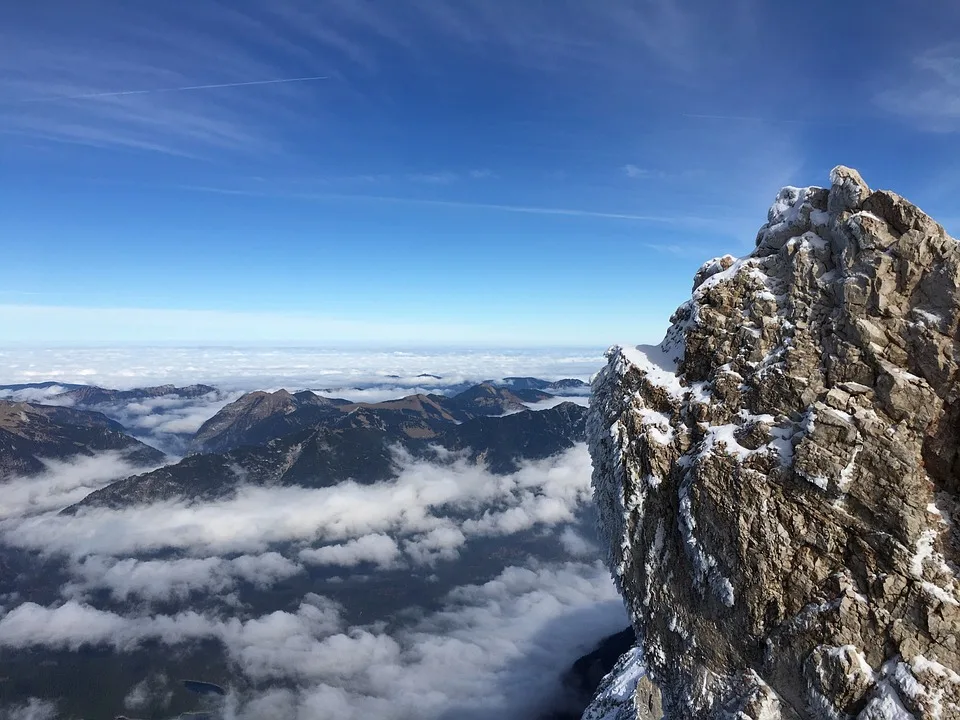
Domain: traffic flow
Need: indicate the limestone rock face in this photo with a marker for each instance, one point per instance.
(776, 479)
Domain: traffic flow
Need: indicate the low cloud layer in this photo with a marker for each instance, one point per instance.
(417, 502)
(496, 650)
(180, 574)
(167, 422)
(169, 580)
(255, 368)
(32, 709)
(61, 484)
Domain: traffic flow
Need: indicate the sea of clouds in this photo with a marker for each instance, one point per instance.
(357, 375)
(253, 368)
(488, 639)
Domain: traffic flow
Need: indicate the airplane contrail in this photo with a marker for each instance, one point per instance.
(756, 119)
(531, 210)
(186, 88)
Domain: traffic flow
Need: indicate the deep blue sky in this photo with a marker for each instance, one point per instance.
(506, 172)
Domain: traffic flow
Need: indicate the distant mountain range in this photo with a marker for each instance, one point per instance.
(356, 445)
(92, 395)
(258, 417)
(31, 433)
(532, 383)
(88, 395)
(284, 438)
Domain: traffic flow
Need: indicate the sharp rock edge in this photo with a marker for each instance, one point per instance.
(775, 480)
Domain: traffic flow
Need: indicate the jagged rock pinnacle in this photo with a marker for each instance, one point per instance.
(775, 480)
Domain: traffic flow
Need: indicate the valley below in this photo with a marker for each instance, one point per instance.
(430, 554)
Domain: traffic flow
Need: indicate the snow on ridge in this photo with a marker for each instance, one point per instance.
(615, 698)
(658, 367)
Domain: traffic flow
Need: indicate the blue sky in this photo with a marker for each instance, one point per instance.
(469, 172)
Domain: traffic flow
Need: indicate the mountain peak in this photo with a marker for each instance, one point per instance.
(772, 479)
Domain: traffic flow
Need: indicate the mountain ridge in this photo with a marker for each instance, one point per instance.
(258, 417)
(31, 433)
(358, 447)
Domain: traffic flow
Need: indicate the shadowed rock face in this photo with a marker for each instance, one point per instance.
(31, 433)
(775, 480)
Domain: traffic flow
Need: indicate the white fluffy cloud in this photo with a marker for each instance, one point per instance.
(32, 709)
(545, 492)
(375, 548)
(167, 580)
(162, 421)
(45, 395)
(441, 543)
(165, 422)
(577, 545)
(61, 484)
(168, 414)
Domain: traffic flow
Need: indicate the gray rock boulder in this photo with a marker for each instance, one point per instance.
(776, 480)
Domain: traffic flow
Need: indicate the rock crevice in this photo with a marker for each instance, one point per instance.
(775, 480)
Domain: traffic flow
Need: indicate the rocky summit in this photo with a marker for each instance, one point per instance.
(776, 480)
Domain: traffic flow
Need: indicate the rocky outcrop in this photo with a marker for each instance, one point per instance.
(776, 479)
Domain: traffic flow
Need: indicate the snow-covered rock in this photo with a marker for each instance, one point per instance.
(775, 480)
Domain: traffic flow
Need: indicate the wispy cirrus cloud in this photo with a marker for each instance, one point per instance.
(678, 219)
(254, 63)
(634, 171)
(186, 83)
(442, 177)
(929, 94)
(448, 177)
(187, 88)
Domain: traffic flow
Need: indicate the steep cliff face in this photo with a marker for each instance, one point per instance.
(776, 479)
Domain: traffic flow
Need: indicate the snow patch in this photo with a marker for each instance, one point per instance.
(939, 593)
(657, 425)
(924, 551)
(614, 699)
(658, 366)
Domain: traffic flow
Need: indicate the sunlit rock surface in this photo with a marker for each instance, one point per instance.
(776, 479)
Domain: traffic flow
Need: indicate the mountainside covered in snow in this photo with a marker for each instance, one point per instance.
(775, 480)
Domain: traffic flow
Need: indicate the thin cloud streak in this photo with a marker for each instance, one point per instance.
(119, 93)
(753, 119)
(525, 209)
(531, 210)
